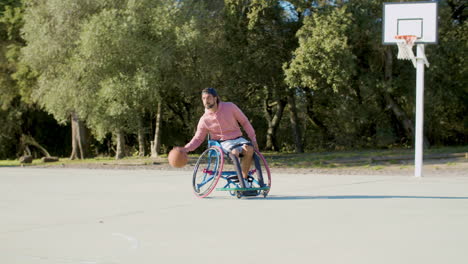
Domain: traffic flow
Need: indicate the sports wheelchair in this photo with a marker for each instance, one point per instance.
(210, 166)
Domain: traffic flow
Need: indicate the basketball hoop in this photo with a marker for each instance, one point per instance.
(405, 47)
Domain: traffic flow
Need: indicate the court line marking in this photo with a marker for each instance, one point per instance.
(134, 244)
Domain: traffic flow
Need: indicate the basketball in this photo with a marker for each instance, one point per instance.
(177, 158)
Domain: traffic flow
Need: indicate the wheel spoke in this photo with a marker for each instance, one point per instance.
(207, 171)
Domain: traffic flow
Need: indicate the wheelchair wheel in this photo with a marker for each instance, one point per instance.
(260, 175)
(207, 171)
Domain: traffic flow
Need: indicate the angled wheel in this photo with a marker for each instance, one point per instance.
(260, 175)
(207, 171)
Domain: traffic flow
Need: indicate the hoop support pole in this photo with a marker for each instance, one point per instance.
(414, 61)
(422, 54)
(419, 134)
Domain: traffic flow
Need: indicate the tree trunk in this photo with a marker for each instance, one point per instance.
(312, 116)
(80, 144)
(141, 138)
(296, 133)
(120, 142)
(401, 116)
(27, 151)
(273, 120)
(29, 140)
(156, 144)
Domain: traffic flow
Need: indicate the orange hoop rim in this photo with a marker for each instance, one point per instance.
(409, 39)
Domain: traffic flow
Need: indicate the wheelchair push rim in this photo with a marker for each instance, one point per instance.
(207, 171)
(261, 174)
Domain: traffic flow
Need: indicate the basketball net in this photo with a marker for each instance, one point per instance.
(405, 46)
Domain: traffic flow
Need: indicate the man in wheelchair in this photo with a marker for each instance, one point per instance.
(221, 121)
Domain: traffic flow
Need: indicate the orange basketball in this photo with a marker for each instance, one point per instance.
(177, 158)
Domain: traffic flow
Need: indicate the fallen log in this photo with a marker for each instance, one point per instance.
(49, 159)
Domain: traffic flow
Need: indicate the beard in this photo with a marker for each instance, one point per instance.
(209, 106)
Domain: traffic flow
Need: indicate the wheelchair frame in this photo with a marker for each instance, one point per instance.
(209, 170)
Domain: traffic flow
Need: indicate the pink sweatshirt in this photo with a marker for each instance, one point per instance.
(222, 125)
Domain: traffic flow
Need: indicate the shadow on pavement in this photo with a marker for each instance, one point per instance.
(339, 197)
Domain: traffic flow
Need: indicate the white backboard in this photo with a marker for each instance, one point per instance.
(410, 18)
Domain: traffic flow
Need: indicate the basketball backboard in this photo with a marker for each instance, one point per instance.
(410, 18)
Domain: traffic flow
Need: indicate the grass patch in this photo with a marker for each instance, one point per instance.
(91, 161)
(365, 158)
(9, 163)
(331, 159)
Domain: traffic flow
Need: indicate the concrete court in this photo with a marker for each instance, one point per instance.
(97, 216)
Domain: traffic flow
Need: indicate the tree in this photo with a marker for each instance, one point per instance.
(16, 108)
(446, 85)
(112, 58)
(324, 62)
(99, 62)
(131, 68)
(257, 40)
(51, 31)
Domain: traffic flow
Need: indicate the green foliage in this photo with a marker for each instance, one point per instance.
(10, 22)
(10, 129)
(13, 95)
(324, 57)
(112, 61)
(324, 67)
(124, 58)
(446, 91)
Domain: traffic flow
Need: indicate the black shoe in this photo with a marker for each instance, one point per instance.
(233, 178)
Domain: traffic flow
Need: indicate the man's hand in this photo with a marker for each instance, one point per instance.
(182, 149)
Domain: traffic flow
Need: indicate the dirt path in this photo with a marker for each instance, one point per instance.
(453, 166)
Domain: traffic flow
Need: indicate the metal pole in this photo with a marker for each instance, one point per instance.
(419, 135)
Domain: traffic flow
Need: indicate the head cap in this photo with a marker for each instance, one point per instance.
(211, 91)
